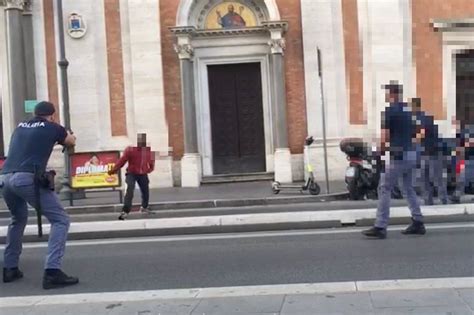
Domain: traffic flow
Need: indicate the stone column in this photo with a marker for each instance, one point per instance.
(283, 170)
(29, 51)
(191, 165)
(15, 58)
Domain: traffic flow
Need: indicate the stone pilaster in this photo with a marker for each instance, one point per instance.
(191, 166)
(29, 51)
(283, 170)
(15, 58)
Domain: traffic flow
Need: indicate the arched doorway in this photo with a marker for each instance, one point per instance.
(237, 125)
(233, 88)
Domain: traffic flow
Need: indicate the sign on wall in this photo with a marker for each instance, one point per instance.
(30, 106)
(90, 170)
(76, 27)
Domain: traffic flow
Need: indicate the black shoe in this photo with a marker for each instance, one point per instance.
(416, 227)
(375, 232)
(123, 216)
(58, 279)
(11, 274)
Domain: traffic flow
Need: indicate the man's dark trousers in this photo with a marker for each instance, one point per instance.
(143, 184)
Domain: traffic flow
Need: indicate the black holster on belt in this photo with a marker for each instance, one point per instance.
(42, 180)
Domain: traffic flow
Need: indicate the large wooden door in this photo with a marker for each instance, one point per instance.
(238, 139)
(465, 86)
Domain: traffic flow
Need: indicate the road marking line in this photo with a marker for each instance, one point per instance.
(262, 290)
(242, 235)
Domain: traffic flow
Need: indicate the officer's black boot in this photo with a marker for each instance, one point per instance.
(375, 232)
(11, 274)
(55, 278)
(416, 227)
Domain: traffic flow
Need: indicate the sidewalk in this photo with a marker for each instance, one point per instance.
(242, 211)
(207, 196)
(304, 216)
(255, 191)
(421, 296)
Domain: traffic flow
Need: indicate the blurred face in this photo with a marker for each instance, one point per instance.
(391, 97)
(415, 105)
(95, 160)
(231, 8)
(456, 123)
(141, 140)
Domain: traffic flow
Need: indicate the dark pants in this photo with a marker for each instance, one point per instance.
(143, 183)
(433, 173)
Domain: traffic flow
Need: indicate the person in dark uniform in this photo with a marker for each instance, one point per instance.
(465, 159)
(30, 149)
(398, 134)
(432, 157)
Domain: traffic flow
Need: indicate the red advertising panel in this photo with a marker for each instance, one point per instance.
(89, 170)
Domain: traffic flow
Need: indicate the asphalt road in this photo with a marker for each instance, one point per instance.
(253, 259)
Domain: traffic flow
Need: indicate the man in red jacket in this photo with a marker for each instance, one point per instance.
(141, 162)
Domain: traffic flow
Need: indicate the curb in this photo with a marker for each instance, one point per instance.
(247, 222)
(241, 291)
(201, 204)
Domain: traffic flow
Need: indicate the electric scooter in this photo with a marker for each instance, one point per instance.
(310, 184)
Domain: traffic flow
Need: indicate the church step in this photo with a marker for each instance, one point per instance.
(237, 178)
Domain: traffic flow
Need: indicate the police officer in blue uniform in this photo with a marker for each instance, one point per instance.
(398, 134)
(433, 161)
(31, 146)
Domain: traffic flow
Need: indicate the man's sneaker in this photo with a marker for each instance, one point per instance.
(416, 227)
(375, 232)
(11, 274)
(145, 210)
(123, 216)
(57, 279)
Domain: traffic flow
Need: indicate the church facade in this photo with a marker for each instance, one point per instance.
(228, 89)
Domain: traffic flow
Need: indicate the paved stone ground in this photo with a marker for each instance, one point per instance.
(429, 302)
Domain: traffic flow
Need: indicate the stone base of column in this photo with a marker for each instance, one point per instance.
(283, 171)
(191, 170)
(162, 176)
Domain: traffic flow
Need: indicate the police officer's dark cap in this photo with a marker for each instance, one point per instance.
(44, 109)
(393, 87)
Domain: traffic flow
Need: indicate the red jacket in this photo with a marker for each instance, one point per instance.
(140, 160)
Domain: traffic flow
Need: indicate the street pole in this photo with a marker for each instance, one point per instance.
(320, 73)
(63, 63)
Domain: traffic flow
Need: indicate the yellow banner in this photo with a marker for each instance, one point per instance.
(95, 180)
